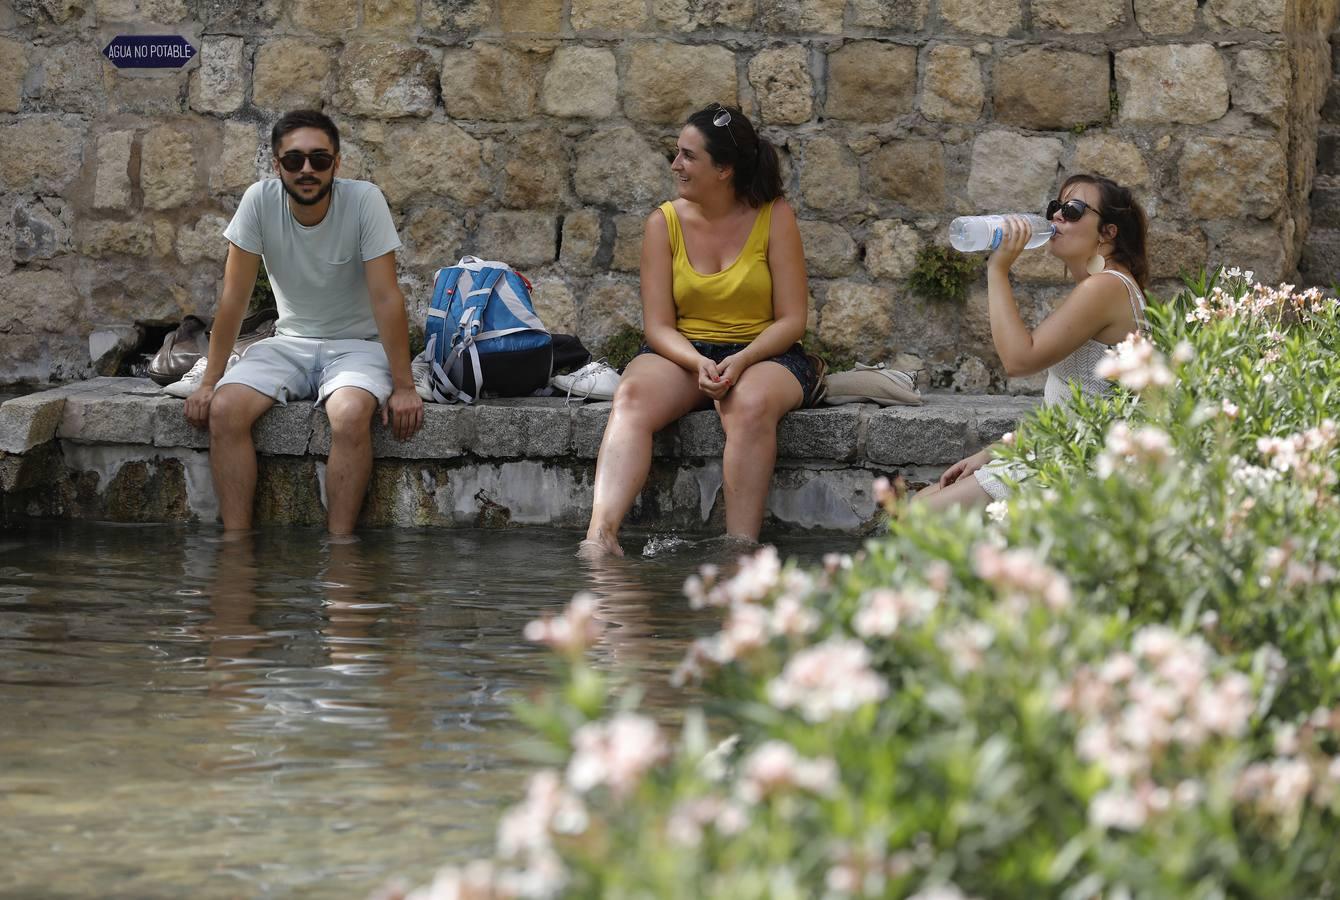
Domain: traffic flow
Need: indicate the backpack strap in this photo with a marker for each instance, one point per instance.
(444, 388)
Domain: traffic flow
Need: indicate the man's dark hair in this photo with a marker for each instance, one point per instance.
(303, 118)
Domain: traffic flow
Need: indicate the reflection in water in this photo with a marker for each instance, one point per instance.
(283, 715)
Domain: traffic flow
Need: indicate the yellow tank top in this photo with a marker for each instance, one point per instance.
(732, 306)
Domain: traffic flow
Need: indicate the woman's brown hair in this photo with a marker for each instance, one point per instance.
(1118, 206)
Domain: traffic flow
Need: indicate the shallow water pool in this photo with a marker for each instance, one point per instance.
(283, 715)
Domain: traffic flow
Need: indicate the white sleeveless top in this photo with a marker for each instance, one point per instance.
(1078, 366)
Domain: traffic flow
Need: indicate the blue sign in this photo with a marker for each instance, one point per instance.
(149, 51)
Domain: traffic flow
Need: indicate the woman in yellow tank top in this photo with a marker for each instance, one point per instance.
(724, 303)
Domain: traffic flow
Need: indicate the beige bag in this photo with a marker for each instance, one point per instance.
(872, 384)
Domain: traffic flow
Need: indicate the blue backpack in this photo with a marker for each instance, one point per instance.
(483, 334)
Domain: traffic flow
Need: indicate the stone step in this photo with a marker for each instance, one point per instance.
(123, 451)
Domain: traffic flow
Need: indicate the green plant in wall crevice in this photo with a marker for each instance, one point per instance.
(942, 273)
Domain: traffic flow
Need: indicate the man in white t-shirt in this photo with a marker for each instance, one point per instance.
(329, 249)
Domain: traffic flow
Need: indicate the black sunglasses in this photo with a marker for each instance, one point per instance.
(293, 160)
(1072, 210)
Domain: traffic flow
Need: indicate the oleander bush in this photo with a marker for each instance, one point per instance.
(1120, 683)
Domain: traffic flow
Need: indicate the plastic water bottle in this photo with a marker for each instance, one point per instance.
(971, 233)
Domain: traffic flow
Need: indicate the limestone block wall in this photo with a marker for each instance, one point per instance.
(539, 131)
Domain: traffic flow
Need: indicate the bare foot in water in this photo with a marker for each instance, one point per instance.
(598, 545)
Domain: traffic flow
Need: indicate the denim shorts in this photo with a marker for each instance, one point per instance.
(293, 368)
(794, 360)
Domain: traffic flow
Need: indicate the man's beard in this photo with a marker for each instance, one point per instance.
(305, 201)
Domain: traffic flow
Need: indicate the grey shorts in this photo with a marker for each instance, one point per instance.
(293, 368)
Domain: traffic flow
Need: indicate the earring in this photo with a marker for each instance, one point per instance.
(1095, 264)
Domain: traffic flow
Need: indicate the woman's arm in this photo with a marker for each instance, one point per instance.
(1090, 307)
(658, 301)
(790, 295)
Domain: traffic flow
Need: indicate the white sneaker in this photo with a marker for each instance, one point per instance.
(593, 381)
(191, 380)
(421, 369)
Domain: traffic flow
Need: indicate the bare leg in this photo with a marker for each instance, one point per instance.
(749, 415)
(965, 492)
(653, 392)
(232, 454)
(350, 412)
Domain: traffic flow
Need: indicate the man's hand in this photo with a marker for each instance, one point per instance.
(403, 412)
(197, 406)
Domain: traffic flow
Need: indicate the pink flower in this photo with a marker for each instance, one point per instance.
(1021, 572)
(1117, 808)
(776, 767)
(965, 645)
(547, 808)
(573, 631)
(947, 891)
(1148, 446)
(792, 618)
(477, 880)
(689, 818)
(884, 493)
(617, 753)
(1135, 363)
(828, 679)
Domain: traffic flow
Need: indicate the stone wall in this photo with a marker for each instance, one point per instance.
(538, 131)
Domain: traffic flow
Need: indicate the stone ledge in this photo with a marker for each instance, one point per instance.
(134, 411)
(511, 461)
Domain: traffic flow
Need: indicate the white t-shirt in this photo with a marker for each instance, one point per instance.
(317, 272)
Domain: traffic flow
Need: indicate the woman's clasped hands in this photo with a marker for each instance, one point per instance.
(715, 379)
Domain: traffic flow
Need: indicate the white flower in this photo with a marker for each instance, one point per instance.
(732, 819)
(548, 808)
(477, 880)
(1124, 448)
(745, 630)
(776, 767)
(1135, 363)
(1120, 809)
(828, 679)
(947, 891)
(1021, 572)
(883, 609)
(997, 510)
(965, 646)
(685, 824)
(573, 631)
(617, 753)
(884, 491)
(792, 617)
(756, 577)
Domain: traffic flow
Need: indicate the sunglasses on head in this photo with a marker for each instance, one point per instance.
(293, 160)
(1071, 210)
(722, 120)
